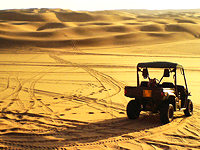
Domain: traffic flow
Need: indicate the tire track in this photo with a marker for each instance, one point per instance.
(16, 90)
(99, 130)
(101, 78)
(31, 92)
(16, 118)
(67, 133)
(7, 84)
(14, 95)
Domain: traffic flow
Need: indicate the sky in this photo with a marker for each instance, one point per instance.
(101, 4)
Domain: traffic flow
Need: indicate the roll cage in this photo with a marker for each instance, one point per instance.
(172, 67)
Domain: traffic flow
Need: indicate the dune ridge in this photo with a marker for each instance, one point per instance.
(27, 27)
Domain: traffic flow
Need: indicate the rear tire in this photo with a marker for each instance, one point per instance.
(133, 109)
(189, 108)
(166, 113)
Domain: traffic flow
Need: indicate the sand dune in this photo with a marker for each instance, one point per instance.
(191, 29)
(111, 26)
(51, 26)
(17, 16)
(63, 72)
(74, 17)
(152, 28)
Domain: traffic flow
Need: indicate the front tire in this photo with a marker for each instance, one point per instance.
(166, 113)
(189, 108)
(133, 109)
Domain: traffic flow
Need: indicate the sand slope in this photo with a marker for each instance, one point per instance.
(56, 29)
(62, 75)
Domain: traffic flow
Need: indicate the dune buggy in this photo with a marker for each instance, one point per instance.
(165, 93)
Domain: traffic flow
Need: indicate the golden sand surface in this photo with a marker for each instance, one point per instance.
(62, 78)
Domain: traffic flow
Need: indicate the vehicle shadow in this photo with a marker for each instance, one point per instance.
(65, 132)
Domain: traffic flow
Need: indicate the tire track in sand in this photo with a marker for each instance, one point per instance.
(103, 79)
(136, 135)
(14, 95)
(31, 91)
(106, 131)
(14, 118)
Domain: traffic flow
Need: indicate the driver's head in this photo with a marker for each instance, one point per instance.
(152, 82)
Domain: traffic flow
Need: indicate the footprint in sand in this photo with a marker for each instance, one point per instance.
(90, 112)
(92, 93)
(121, 113)
(20, 116)
(4, 130)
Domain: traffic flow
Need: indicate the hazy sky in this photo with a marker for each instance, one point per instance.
(101, 4)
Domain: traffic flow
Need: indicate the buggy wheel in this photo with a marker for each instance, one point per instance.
(166, 113)
(133, 109)
(189, 108)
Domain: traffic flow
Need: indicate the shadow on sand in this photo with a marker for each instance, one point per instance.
(47, 132)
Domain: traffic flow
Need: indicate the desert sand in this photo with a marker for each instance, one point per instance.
(63, 72)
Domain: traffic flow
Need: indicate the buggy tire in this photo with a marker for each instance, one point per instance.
(166, 113)
(189, 108)
(133, 109)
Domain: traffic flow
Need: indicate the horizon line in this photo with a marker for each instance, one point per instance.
(102, 9)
